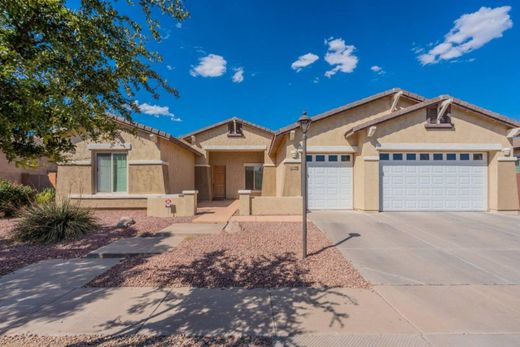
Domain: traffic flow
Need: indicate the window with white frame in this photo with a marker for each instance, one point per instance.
(254, 173)
(111, 173)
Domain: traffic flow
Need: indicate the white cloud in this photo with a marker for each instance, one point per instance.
(170, 68)
(304, 61)
(341, 56)
(378, 70)
(156, 111)
(238, 76)
(470, 32)
(178, 25)
(212, 65)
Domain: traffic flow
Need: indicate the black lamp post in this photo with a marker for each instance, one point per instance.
(305, 122)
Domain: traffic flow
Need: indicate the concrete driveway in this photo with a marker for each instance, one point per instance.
(453, 276)
(428, 248)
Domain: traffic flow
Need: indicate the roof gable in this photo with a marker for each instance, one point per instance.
(224, 122)
(463, 104)
(354, 104)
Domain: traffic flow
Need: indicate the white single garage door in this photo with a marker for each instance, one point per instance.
(329, 181)
(433, 181)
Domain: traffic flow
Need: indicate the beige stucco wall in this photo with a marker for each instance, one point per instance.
(269, 180)
(147, 179)
(182, 205)
(74, 180)
(135, 203)
(271, 205)
(155, 166)
(507, 187)
(235, 170)
(180, 169)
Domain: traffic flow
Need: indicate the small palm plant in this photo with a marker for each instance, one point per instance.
(54, 222)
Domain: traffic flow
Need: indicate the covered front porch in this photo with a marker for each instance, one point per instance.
(225, 172)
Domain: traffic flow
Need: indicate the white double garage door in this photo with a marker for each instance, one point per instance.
(408, 181)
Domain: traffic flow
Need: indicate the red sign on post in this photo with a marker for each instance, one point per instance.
(168, 203)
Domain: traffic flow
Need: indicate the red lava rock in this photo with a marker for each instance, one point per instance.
(262, 255)
(132, 340)
(14, 255)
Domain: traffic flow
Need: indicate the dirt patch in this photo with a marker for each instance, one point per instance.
(14, 255)
(261, 255)
(132, 340)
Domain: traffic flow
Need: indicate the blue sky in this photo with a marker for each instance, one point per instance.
(361, 47)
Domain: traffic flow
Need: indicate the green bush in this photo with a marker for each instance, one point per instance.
(54, 222)
(13, 197)
(45, 196)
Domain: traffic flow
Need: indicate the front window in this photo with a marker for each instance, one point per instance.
(111, 173)
(254, 175)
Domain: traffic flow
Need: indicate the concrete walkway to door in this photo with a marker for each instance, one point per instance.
(454, 276)
(216, 212)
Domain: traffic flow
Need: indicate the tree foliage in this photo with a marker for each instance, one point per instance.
(63, 68)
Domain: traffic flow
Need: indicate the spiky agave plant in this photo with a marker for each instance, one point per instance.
(54, 222)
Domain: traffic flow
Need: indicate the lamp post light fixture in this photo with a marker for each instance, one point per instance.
(304, 121)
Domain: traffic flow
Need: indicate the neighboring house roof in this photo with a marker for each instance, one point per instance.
(160, 133)
(429, 102)
(347, 107)
(225, 122)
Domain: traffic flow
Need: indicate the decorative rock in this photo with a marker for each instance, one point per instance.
(125, 222)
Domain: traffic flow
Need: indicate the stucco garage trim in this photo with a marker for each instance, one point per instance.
(332, 149)
(371, 158)
(507, 159)
(246, 148)
(439, 147)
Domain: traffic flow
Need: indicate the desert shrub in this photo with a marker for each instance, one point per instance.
(54, 222)
(13, 197)
(45, 196)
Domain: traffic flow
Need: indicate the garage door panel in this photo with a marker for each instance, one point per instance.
(442, 185)
(330, 184)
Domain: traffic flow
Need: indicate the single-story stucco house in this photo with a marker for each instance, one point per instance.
(393, 151)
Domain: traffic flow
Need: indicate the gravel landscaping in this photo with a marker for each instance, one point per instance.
(132, 340)
(14, 255)
(261, 255)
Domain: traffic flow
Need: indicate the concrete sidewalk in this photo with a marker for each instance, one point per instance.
(216, 212)
(291, 316)
(215, 312)
(166, 240)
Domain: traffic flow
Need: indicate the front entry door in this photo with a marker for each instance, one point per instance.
(219, 182)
